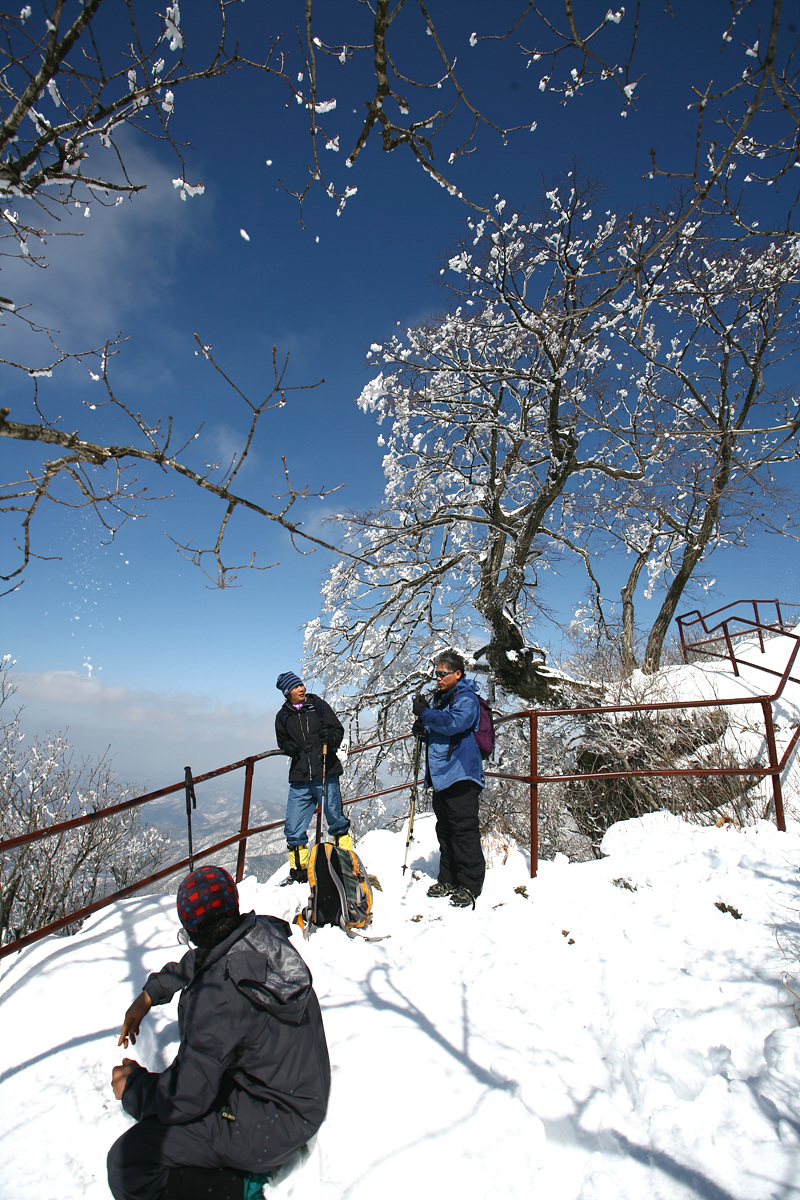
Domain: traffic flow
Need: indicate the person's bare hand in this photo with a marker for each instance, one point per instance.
(119, 1076)
(133, 1018)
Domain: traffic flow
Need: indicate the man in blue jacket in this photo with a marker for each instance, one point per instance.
(250, 1082)
(455, 772)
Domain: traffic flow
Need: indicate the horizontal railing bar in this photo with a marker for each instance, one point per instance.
(35, 835)
(373, 745)
(650, 773)
(655, 706)
(80, 914)
(399, 787)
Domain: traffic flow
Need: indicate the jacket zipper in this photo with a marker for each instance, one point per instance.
(306, 731)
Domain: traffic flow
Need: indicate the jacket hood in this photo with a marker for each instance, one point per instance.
(268, 970)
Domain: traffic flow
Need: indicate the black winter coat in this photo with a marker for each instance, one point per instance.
(253, 1061)
(298, 735)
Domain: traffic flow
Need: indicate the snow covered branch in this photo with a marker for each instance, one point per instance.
(100, 476)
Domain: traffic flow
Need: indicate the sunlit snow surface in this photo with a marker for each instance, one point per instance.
(610, 1035)
(586, 1041)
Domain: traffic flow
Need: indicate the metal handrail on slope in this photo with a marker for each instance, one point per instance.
(703, 647)
(534, 779)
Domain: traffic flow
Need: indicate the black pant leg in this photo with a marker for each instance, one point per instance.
(443, 834)
(460, 839)
(139, 1161)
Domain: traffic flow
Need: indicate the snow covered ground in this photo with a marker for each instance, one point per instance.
(623, 1029)
(571, 1038)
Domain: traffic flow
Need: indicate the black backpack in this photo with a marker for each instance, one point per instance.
(341, 893)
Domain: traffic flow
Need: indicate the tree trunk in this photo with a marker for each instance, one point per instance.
(692, 555)
(629, 663)
(659, 628)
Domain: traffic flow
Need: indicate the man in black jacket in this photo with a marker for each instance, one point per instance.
(304, 725)
(250, 1082)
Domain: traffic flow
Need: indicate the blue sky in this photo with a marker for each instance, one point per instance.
(124, 643)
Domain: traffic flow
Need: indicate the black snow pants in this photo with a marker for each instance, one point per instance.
(461, 860)
(140, 1160)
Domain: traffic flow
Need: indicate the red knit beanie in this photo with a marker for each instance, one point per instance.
(207, 892)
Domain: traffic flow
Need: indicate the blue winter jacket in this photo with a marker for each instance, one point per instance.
(444, 722)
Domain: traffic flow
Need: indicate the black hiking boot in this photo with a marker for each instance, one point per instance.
(296, 875)
(441, 889)
(462, 898)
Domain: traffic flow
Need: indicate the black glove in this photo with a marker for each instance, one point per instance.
(419, 705)
(418, 729)
(329, 736)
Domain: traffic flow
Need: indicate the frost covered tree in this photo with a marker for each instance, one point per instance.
(712, 354)
(42, 784)
(75, 80)
(583, 389)
(496, 427)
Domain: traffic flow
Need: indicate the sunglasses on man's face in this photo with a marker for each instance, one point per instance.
(444, 674)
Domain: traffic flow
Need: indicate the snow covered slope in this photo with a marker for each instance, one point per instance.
(605, 1032)
(714, 679)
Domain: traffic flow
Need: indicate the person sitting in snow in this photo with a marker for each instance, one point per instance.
(251, 1079)
(303, 726)
(454, 769)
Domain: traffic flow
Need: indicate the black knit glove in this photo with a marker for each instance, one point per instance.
(420, 705)
(418, 729)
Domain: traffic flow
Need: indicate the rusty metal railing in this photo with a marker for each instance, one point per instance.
(245, 832)
(534, 779)
(773, 770)
(785, 618)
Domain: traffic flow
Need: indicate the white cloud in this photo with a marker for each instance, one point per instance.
(152, 736)
(96, 283)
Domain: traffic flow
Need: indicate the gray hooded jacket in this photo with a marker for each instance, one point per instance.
(253, 1056)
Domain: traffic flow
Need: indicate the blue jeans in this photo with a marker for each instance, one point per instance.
(303, 799)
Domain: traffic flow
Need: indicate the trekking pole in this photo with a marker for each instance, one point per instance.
(191, 802)
(322, 799)
(409, 839)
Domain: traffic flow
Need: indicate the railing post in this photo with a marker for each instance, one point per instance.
(758, 626)
(777, 791)
(534, 739)
(248, 787)
(729, 644)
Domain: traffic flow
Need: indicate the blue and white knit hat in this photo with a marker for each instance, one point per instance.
(287, 682)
